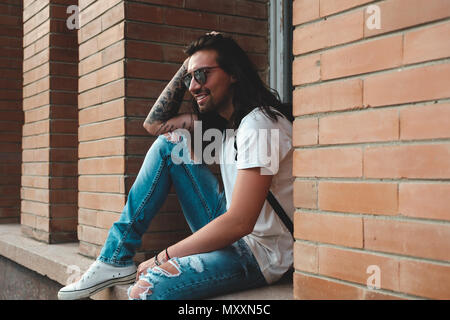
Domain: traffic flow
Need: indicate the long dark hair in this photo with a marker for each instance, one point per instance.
(250, 91)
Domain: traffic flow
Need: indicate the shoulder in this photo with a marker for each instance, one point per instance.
(258, 119)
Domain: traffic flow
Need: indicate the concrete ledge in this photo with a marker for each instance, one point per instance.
(60, 262)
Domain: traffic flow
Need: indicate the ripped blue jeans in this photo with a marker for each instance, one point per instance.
(198, 276)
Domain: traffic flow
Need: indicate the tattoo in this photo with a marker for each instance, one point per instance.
(169, 102)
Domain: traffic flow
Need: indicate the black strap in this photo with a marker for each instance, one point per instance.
(280, 211)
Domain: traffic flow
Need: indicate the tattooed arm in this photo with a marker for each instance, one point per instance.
(164, 117)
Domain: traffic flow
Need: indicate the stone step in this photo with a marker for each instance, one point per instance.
(59, 262)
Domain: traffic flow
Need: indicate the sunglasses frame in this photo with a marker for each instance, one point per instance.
(200, 76)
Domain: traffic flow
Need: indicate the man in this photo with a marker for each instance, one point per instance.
(238, 241)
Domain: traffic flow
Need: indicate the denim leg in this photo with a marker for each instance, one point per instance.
(197, 189)
(201, 275)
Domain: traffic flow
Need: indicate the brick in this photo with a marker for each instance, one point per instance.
(157, 33)
(407, 161)
(101, 201)
(227, 7)
(402, 14)
(328, 33)
(427, 44)
(424, 200)
(64, 182)
(168, 222)
(38, 195)
(328, 7)
(36, 87)
(111, 184)
(240, 25)
(102, 148)
(95, 10)
(88, 217)
(113, 16)
(150, 70)
(352, 266)
(371, 198)
(251, 9)
(63, 169)
(140, 88)
(107, 111)
(425, 279)
(146, 13)
(306, 69)
(305, 132)
(40, 141)
(425, 122)
(305, 194)
(89, 30)
(102, 76)
(327, 228)
(27, 220)
(34, 155)
(335, 162)
(36, 128)
(36, 74)
(110, 165)
(306, 257)
(146, 51)
(134, 127)
(305, 10)
(92, 235)
(159, 241)
(63, 196)
(363, 57)
(36, 33)
(113, 90)
(334, 96)
(138, 145)
(106, 129)
(371, 126)
(312, 288)
(412, 85)
(90, 98)
(409, 238)
(90, 64)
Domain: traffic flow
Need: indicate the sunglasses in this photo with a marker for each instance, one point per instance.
(199, 76)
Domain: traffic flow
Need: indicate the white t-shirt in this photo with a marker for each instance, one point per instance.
(261, 142)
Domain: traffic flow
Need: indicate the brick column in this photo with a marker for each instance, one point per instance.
(49, 169)
(128, 52)
(372, 149)
(11, 115)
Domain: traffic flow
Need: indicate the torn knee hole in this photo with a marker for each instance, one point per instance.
(140, 289)
(170, 268)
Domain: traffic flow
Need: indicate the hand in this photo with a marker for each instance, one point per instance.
(142, 268)
(149, 264)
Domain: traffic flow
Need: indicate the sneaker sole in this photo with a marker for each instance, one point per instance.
(85, 293)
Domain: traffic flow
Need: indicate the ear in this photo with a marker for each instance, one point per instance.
(233, 79)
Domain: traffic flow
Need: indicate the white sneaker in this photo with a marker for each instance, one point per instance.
(99, 276)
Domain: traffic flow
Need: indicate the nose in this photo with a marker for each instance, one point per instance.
(194, 86)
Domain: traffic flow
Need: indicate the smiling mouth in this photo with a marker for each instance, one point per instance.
(201, 98)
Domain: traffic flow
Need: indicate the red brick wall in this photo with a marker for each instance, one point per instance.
(128, 51)
(11, 115)
(49, 135)
(372, 152)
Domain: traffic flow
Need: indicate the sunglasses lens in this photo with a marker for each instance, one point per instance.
(200, 76)
(187, 80)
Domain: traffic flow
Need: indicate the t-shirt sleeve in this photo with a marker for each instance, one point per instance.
(261, 142)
